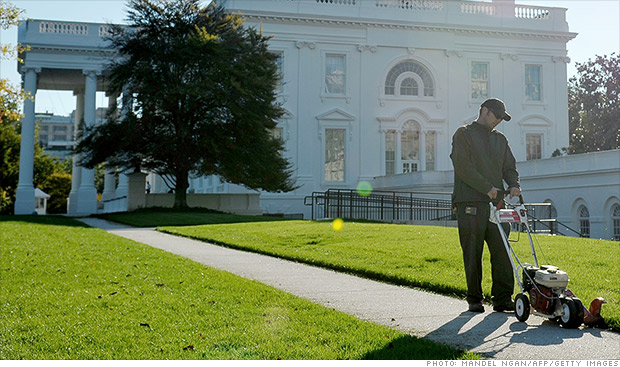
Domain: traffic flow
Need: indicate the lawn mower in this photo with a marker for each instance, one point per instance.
(543, 287)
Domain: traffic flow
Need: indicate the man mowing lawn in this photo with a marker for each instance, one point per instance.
(482, 160)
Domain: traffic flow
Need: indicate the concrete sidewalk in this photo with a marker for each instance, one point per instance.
(438, 318)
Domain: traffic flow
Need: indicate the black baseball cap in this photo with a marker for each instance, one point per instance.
(498, 107)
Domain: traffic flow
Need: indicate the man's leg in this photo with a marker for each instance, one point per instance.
(472, 227)
(501, 269)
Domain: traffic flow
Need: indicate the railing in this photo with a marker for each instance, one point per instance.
(432, 5)
(383, 206)
(531, 12)
(478, 8)
(63, 28)
(546, 225)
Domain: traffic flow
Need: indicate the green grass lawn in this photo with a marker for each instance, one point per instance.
(73, 292)
(420, 256)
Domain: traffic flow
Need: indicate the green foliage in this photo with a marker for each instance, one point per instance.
(74, 292)
(203, 88)
(58, 186)
(44, 168)
(10, 96)
(594, 105)
(420, 256)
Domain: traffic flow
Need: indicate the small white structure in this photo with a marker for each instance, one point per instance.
(40, 201)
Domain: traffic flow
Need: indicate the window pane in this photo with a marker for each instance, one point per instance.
(431, 138)
(532, 83)
(410, 147)
(335, 74)
(334, 154)
(533, 145)
(408, 87)
(479, 80)
(615, 215)
(390, 152)
(280, 80)
(584, 221)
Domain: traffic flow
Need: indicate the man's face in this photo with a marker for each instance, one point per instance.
(493, 119)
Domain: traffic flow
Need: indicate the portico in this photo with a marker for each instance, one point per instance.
(63, 56)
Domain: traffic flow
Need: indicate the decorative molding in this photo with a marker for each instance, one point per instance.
(302, 44)
(410, 50)
(564, 59)
(554, 36)
(450, 53)
(371, 48)
(512, 57)
(335, 114)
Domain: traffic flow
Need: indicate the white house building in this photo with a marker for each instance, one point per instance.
(374, 90)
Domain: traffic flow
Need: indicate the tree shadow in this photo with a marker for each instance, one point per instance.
(50, 219)
(414, 348)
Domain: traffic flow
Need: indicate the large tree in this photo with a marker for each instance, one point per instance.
(594, 105)
(204, 99)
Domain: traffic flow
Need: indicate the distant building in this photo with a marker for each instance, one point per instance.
(57, 133)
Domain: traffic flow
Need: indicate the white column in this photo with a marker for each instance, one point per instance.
(398, 155)
(109, 183)
(87, 193)
(76, 173)
(123, 179)
(24, 201)
(422, 154)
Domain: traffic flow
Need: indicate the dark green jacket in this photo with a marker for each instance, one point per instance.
(482, 159)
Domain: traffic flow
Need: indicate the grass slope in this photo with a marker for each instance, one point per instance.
(421, 256)
(74, 292)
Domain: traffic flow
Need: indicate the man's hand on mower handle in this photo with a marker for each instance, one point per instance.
(493, 192)
(514, 191)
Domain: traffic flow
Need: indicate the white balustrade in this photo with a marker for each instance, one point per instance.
(531, 12)
(429, 5)
(478, 8)
(63, 28)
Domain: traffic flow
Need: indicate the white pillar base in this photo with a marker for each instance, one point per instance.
(24, 200)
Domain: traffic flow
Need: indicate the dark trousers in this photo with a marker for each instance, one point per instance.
(474, 230)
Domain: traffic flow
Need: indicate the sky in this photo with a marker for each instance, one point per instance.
(597, 23)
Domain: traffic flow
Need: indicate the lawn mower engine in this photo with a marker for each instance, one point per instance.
(550, 283)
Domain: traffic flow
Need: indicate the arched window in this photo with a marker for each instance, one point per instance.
(409, 86)
(615, 221)
(584, 221)
(410, 146)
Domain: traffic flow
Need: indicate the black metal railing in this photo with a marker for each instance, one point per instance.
(383, 206)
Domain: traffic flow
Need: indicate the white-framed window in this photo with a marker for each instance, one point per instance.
(410, 147)
(615, 221)
(279, 87)
(533, 82)
(335, 74)
(409, 78)
(390, 152)
(584, 221)
(276, 132)
(533, 146)
(479, 80)
(431, 140)
(334, 165)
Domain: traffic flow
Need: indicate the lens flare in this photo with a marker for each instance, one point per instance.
(337, 224)
(364, 188)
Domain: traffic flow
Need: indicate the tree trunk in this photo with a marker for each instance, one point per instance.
(180, 193)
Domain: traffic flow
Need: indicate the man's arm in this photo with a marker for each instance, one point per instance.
(464, 167)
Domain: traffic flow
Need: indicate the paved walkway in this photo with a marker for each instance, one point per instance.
(438, 318)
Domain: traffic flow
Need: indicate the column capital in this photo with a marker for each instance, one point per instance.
(91, 72)
(26, 69)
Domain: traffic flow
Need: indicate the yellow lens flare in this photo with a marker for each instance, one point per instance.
(337, 224)
(364, 188)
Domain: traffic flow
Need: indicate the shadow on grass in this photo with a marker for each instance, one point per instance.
(155, 217)
(410, 347)
(52, 220)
